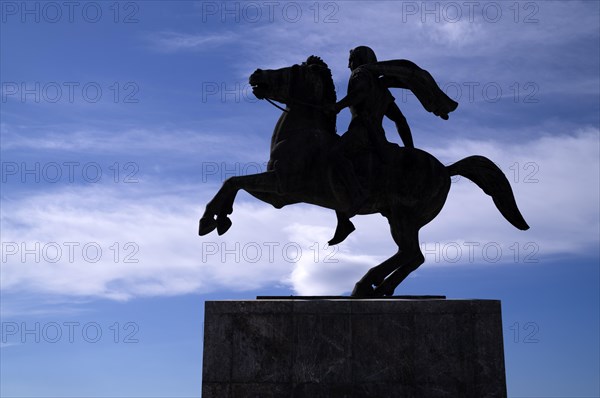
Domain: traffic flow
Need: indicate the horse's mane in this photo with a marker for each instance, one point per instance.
(329, 95)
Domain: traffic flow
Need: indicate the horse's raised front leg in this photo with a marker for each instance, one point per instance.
(221, 205)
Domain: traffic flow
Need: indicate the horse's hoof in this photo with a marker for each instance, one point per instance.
(363, 290)
(223, 225)
(383, 290)
(207, 225)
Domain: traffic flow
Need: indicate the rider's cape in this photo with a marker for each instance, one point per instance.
(401, 73)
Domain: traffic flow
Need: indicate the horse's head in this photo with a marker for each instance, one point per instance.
(308, 84)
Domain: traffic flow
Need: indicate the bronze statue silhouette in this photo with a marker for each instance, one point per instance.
(406, 185)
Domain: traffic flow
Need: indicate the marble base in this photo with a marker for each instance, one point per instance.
(349, 348)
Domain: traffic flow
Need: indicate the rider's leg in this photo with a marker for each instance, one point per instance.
(356, 196)
(343, 169)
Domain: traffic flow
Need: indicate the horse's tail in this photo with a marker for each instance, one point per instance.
(493, 182)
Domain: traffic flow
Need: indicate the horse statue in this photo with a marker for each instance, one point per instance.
(409, 188)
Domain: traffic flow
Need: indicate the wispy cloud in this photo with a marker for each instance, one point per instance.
(140, 141)
(266, 247)
(477, 45)
(6, 345)
(170, 41)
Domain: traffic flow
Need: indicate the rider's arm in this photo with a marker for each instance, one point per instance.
(357, 91)
(395, 115)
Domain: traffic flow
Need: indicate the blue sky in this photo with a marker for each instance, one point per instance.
(119, 121)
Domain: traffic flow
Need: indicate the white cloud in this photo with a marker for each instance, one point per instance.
(157, 231)
(459, 34)
(175, 41)
(267, 247)
(556, 184)
(555, 180)
(477, 47)
(141, 141)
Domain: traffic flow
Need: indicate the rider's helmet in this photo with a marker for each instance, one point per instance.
(361, 55)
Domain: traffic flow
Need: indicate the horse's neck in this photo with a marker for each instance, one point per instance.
(299, 121)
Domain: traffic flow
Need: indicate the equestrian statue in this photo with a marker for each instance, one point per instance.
(359, 172)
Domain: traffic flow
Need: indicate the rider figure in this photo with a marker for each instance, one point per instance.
(369, 101)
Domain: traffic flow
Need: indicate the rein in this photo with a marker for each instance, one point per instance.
(275, 105)
(294, 101)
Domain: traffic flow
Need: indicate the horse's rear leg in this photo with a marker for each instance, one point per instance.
(408, 258)
(408, 239)
(364, 287)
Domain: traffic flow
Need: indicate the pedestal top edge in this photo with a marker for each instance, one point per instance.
(404, 297)
(265, 299)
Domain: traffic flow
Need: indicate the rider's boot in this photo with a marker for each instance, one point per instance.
(343, 229)
(344, 225)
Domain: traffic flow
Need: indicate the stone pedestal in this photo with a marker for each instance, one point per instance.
(348, 348)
